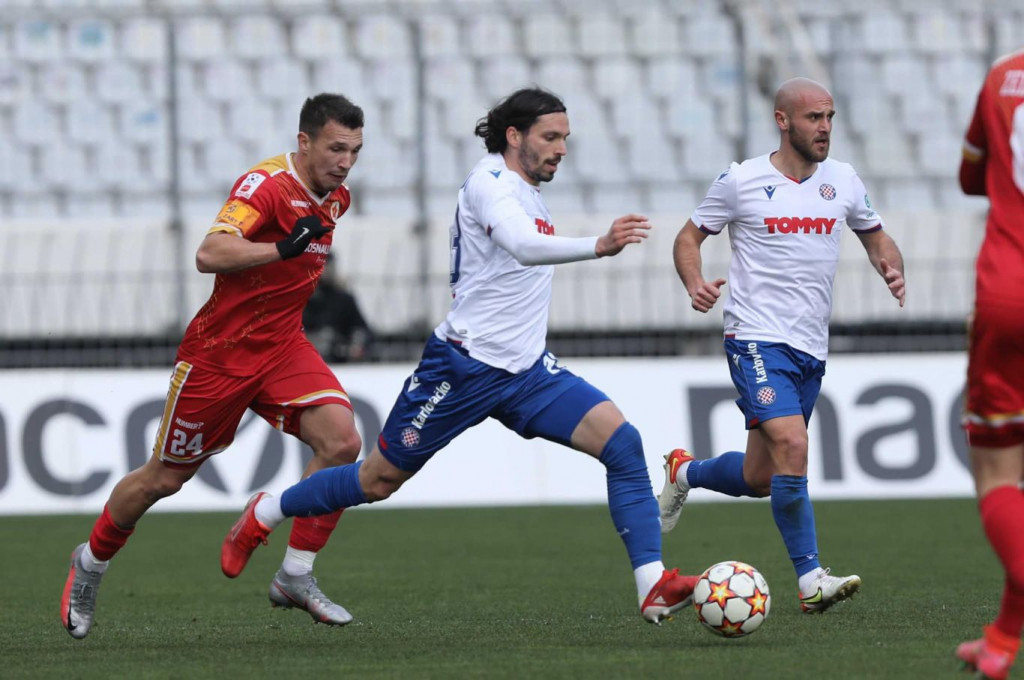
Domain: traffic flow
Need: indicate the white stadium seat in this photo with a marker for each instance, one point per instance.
(449, 78)
(38, 40)
(601, 34)
(117, 81)
(199, 121)
(62, 83)
(491, 36)
(616, 77)
(257, 36)
(547, 35)
(382, 37)
(90, 122)
(708, 34)
(319, 37)
(500, 75)
(143, 121)
(341, 74)
(200, 37)
(227, 80)
(34, 122)
(439, 36)
(392, 79)
(654, 34)
(91, 40)
(283, 80)
(144, 39)
(563, 76)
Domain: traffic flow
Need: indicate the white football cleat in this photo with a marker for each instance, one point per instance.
(826, 590)
(673, 495)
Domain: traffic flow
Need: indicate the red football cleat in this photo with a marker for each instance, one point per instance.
(247, 533)
(671, 593)
(991, 656)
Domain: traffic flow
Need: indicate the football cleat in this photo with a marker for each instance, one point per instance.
(991, 656)
(302, 592)
(247, 533)
(673, 495)
(671, 593)
(826, 590)
(78, 604)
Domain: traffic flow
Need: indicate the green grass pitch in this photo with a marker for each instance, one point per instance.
(501, 593)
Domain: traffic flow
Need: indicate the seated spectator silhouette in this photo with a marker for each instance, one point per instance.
(333, 321)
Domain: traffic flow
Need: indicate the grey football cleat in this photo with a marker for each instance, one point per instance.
(302, 592)
(78, 604)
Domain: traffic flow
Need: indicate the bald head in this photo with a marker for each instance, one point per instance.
(795, 91)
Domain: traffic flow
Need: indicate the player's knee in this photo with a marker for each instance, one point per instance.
(624, 449)
(790, 453)
(340, 450)
(156, 487)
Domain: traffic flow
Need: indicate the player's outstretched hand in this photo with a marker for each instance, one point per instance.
(306, 229)
(625, 230)
(706, 295)
(894, 278)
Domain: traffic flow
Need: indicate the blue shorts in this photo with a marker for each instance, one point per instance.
(450, 392)
(773, 379)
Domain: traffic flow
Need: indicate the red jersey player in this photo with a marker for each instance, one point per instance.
(246, 349)
(993, 165)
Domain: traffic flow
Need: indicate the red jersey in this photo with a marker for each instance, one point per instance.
(254, 314)
(995, 139)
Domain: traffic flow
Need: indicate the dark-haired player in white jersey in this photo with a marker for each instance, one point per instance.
(487, 359)
(786, 212)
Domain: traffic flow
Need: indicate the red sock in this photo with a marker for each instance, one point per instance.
(106, 537)
(1002, 516)
(311, 533)
(1011, 612)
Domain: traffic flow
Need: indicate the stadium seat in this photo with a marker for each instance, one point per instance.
(708, 34)
(705, 157)
(563, 76)
(671, 77)
(616, 77)
(491, 36)
(224, 161)
(90, 122)
(200, 37)
(654, 34)
(118, 167)
(382, 37)
(116, 81)
(500, 75)
(651, 157)
(601, 34)
(144, 39)
(562, 198)
(343, 75)
(91, 40)
(35, 122)
(62, 83)
(283, 80)
(547, 35)
(392, 79)
(635, 116)
(902, 71)
(153, 206)
(449, 78)
(38, 40)
(689, 118)
(440, 36)
(199, 121)
(936, 31)
(16, 174)
(143, 121)
(939, 155)
(883, 32)
(227, 80)
(257, 36)
(318, 37)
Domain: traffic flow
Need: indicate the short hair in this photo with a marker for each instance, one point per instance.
(316, 111)
(520, 110)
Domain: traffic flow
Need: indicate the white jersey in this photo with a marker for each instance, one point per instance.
(499, 309)
(785, 237)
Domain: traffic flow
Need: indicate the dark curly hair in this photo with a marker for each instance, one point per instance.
(520, 110)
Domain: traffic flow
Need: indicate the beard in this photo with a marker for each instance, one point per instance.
(531, 163)
(805, 147)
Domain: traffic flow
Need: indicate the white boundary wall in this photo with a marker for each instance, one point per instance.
(885, 427)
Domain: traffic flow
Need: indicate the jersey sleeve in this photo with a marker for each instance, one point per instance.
(975, 141)
(862, 218)
(249, 206)
(719, 205)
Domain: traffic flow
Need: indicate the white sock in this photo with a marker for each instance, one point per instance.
(90, 563)
(806, 580)
(646, 576)
(268, 511)
(298, 562)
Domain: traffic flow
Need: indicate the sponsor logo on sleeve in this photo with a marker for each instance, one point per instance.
(249, 185)
(237, 214)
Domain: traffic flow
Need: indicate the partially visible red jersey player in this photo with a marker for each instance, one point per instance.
(993, 165)
(245, 349)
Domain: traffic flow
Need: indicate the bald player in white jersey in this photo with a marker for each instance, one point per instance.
(786, 212)
(487, 359)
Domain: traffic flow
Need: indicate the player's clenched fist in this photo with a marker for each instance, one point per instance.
(704, 296)
(625, 230)
(306, 229)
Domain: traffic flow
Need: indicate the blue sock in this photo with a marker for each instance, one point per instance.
(324, 492)
(794, 516)
(723, 474)
(630, 497)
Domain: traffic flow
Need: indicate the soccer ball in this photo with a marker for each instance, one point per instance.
(732, 599)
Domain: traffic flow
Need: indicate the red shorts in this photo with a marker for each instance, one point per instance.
(994, 411)
(203, 408)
